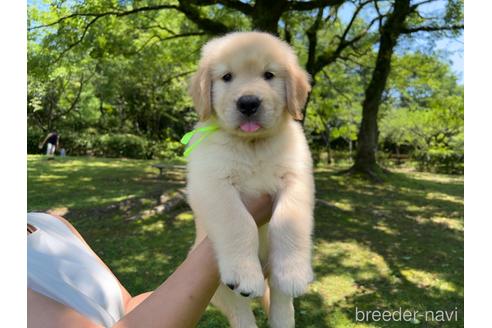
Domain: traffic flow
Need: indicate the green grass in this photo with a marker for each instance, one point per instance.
(387, 246)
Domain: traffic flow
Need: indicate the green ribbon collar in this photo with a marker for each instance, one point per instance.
(204, 131)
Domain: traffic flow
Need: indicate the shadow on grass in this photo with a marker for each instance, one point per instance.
(389, 246)
(81, 183)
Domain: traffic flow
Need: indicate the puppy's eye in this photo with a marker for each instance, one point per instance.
(227, 77)
(268, 75)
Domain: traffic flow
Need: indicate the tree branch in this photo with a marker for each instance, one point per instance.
(352, 20)
(334, 87)
(233, 4)
(208, 25)
(431, 28)
(182, 35)
(310, 5)
(380, 17)
(161, 39)
(149, 27)
(312, 35)
(288, 34)
(177, 76)
(79, 40)
(75, 99)
(413, 7)
(329, 57)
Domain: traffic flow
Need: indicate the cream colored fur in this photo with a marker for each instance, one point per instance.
(230, 166)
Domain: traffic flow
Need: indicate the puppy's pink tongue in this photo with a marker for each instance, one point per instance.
(249, 126)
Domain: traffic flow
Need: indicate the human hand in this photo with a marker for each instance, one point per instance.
(260, 208)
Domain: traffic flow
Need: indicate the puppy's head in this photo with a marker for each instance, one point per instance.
(251, 82)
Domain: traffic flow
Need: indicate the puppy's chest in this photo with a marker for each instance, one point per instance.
(251, 177)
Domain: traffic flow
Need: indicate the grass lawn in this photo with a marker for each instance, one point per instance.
(388, 246)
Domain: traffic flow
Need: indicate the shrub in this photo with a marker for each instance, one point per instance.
(120, 145)
(79, 143)
(441, 160)
(34, 137)
(90, 142)
(168, 149)
(444, 154)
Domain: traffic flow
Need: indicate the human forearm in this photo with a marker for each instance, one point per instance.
(181, 300)
(41, 144)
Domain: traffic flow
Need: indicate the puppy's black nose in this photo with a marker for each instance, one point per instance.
(248, 105)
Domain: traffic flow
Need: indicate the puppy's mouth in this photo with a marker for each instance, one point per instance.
(249, 126)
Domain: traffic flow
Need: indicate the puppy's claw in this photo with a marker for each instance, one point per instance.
(245, 278)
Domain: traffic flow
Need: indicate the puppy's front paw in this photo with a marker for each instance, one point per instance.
(244, 277)
(291, 275)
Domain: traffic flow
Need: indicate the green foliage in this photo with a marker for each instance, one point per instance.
(454, 11)
(79, 143)
(334, 111)
(168, 149)
(127, 75)
(34, 137)
(121, 145)
(425, 113)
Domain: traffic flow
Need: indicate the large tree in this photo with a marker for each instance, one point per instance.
(404, 18)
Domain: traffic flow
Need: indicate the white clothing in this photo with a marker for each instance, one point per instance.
(61, 267)
(50, 149)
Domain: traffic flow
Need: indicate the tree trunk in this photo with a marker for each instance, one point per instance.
(367, 140)
(326, 138)
(398, 159)
(266, 15)
(350, 143)
(328, 148)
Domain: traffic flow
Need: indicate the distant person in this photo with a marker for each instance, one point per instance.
(52, 141)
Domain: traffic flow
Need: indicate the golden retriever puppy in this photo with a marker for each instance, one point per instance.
(251, 86)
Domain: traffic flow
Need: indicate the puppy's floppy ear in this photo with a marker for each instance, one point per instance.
(200, 91)
(297, 89)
